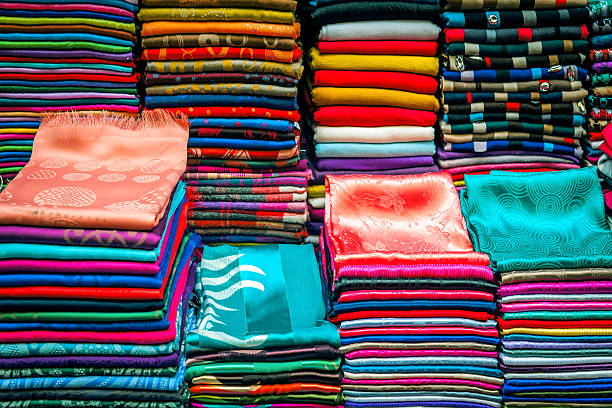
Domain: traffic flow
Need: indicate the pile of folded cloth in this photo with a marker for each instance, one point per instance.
(513, 86)
(551, 247)
(604, 165)
(66, 55)
(371, 89)
(600, 101)
(261, 338)
(233, 68)
(95, 266)
(414, 301)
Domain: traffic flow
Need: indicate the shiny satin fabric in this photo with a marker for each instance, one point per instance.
(389, 219)
(72, 178)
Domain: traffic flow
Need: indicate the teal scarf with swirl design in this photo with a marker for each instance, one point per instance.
(547, 220)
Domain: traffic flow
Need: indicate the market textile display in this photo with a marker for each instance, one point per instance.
(95, 266)
(68, 55)
(233, 68)
(514, 86)
(600, 101)
(414, 301)
(551, 247)
(370, 91)
(261, 337)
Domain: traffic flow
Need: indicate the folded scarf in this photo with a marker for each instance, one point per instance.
(181, 14)
(508, 135)
(237, 133)
(600, 55)
(572, 73)
(238, 112)
(201, 53)
(549, 97)
(561, 119)
(366, 164)
(305, 328)
(505, 4)
(601, 41)
(553, 85)
(68, 21)
(250, 123)
(156, 28)
(219, 100)
(555, 275)
(512, 35)
(516, 19)
(141, 208)
(241, 144)
(423, 48)
(518, 50)
(397, 63)
(90, 237)
(402, 81)
(372, 116)
(329, 96)
(536, 109)
(385, 134)
(419, 30)
(218, 77)
(222, 88)
(218, 40)
(461, 63)
(499, 159)
(510, 126)
(77, 27)
(558, 250)
(374, 150)
(346, 195)
(285, 5)
(367, 11)
(234, 65)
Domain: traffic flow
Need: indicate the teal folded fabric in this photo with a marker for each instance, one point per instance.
(548, 220)
(239, 286)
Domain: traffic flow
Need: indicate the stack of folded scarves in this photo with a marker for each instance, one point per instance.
(513, 86)
(95, 266)
(371, 88)
(414, 301)
(64, 55)
(233, 68)
(604, 165)
(600, 101)
(261, 337)
(550, 244)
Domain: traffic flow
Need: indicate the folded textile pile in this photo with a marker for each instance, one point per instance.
(261, 337)
(371, 89)
(513, 86)
(550, 244)
(68, 55)
(600, 99)
(604, 165)
(414, 301)
(233, 68)
(95, 266)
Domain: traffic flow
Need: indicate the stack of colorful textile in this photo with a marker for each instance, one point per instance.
(233, 67)
(600, 103)
(95, 266)
(66, 55)
(414, 302)
(371, 88)
(551, 246)
(604, 165)
(513, 86)
(261, 337)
